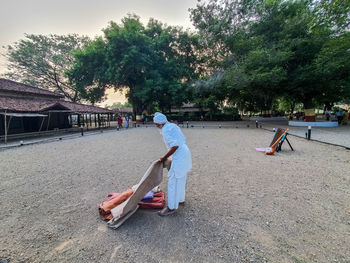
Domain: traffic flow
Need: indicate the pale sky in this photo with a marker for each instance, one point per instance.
(84, 17)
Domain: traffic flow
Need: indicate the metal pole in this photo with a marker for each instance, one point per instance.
(309, 132)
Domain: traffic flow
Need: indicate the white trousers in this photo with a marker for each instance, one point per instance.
(176, 191)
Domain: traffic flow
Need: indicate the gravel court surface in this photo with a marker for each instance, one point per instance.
(241, 205)
(334, 135)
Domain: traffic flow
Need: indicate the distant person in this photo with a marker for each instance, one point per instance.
(291, 116)
(126, 121)
(181, 164)
(120, 122)
(340, 115)
(328, 115)
(345, 118)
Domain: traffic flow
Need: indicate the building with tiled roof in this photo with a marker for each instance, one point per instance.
(24, 108)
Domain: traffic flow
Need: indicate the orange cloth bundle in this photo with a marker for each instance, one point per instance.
(113, 200)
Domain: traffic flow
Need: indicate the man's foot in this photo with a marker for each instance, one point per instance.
(182, 203)
(166, 211)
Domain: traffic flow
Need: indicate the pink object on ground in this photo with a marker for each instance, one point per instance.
(260, 149)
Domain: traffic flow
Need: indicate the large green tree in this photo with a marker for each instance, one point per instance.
(253, 62)
(332, 67)
(273, 49)
(155, 62)
(218, 22)
(42, 61)
(209, 93)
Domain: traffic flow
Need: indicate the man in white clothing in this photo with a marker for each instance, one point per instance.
(181, 164)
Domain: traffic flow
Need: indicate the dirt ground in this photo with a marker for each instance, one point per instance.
(241, 205)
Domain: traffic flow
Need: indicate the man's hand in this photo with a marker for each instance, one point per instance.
(163, 159)
(169, 153)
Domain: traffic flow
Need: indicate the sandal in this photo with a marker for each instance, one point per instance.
(166, 211)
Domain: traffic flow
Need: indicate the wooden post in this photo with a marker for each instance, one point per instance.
(87, 121)
(78, 120)
(8, 125)
(48, 121)
(42, 122)
(5, 126)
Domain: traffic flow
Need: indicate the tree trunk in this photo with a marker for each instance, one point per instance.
(292, 108)
(309, 110)
(328, 106)
(137, 109)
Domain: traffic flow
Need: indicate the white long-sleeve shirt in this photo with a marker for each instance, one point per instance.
(181, 159)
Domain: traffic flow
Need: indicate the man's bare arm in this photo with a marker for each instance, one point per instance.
(169, 153)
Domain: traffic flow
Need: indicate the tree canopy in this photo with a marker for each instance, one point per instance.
(156, 62)
(276, 49)
(42, 61)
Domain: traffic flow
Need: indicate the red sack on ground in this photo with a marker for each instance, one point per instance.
(157, 202)
(113, 200)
